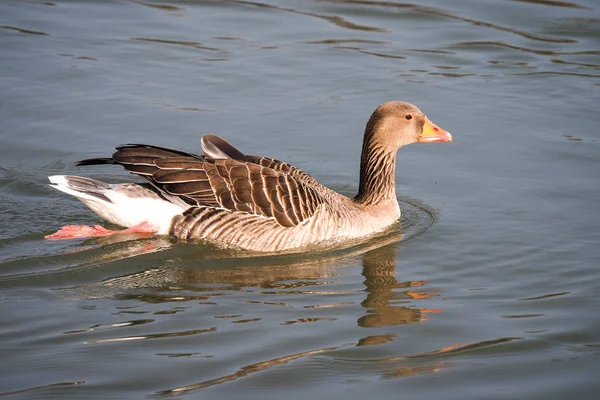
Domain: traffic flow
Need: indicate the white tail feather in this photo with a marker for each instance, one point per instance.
(61, 182)
(122, 204)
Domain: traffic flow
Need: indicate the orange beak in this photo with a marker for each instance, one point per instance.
(433, 133)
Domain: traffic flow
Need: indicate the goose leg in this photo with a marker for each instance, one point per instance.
(84, 231)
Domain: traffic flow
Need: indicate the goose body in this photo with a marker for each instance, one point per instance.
(251, 202)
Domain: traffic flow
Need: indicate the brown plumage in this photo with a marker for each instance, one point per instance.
(264, 204)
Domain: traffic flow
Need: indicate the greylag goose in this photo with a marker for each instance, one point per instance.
(250, 202)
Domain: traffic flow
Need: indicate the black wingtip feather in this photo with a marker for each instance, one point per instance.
(160, 148)
(96, 161)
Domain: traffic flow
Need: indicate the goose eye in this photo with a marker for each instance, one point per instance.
(408, 116)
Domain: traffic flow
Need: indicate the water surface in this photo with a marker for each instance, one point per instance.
(488, 289)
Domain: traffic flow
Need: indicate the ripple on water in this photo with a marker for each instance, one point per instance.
(519, 47)
(164, 7)
(555, 3)
(21, 30)
(243, 371)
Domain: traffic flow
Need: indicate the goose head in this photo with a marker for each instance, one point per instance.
(396, 123)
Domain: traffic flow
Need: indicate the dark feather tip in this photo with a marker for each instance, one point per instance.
(95, 161)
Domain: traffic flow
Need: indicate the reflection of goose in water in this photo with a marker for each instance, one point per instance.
(384, 290)
(282, 275)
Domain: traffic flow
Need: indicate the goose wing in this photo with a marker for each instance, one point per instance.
(252, 184)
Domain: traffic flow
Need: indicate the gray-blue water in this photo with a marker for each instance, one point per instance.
(489, 289)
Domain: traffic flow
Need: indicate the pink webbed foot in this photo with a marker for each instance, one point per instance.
(85, 231)
(79, 231)
(144, 228)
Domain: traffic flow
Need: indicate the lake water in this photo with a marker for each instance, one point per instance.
(490, 288)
